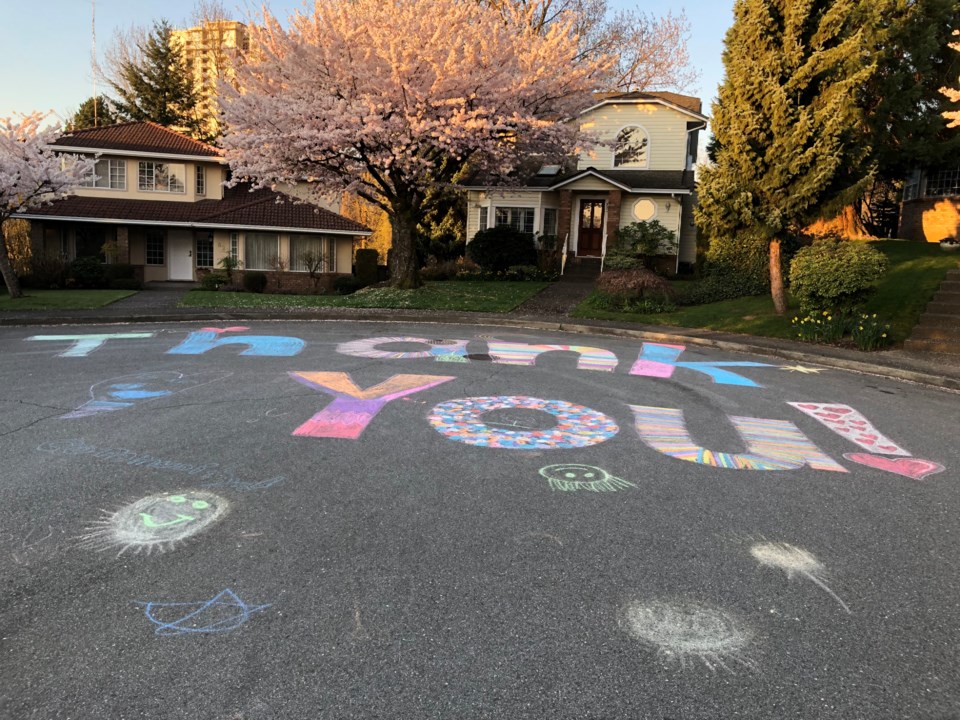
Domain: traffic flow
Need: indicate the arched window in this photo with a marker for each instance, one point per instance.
(632, 147)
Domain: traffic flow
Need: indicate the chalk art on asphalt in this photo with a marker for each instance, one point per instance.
(660, 361)
(83, 345)
(802, 369)
(690, 631)
(576, 426)
(570, 477)
(771, 444)
(913, 468)
(590, 358)
(222, 613)
(353, 408)
(439, 350)
(852, 425)
(121, 393)
(156, 522)
(217, 476)
(794, 561)
(206, 339)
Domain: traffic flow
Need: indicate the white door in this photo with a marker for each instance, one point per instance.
(179, 255)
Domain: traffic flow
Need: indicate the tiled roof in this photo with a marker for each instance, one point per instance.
(136, 137)
(239, 208)
(687, 102)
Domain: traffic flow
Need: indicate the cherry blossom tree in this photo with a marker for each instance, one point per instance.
(31, 174)
(389, 99)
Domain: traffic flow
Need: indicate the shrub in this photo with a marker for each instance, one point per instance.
(119, 271)
(645, 240)
(87, 272)
(214, 280)
(366, 266)
(838, 275)
(744, 260)
(717, 286)
(549, 253)
(229, 264)
(498, 248)
(254, 281)
(125, 284)
(448, 269)
(619, 303)
(635, 284)
(45, 271)
(346, 285)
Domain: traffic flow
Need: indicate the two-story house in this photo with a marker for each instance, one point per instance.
(157, 200)
(641, 170)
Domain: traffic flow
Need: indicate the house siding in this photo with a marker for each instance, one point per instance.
(215, 177)
(666, 130)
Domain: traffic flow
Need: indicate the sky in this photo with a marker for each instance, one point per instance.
(48, 55)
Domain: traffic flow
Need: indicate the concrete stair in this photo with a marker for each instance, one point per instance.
(939, 328)
(581, 269)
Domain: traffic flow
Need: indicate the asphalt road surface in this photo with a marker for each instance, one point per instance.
(366, 520)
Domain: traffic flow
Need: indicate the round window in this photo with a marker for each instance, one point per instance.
(644, 209)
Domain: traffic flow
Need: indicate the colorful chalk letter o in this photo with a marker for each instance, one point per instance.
(577, 426)
(367, 348)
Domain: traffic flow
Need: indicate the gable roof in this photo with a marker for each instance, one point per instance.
(634, 181)
(139, 137)
(241, 209)
(684, 103)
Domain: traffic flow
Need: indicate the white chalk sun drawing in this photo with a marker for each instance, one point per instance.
(155, 523)
(794, 561)
(688, 630)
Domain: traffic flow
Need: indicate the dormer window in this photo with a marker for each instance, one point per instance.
(109, 173)
(632, 148)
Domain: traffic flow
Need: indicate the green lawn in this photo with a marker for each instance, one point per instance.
(915, 273)
(473, 296)
(62, 299)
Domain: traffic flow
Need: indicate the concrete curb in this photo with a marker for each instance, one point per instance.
(785, 349)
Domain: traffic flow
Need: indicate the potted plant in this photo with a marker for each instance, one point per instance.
(950, 244)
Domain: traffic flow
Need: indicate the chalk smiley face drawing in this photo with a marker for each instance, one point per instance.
(570, 477)
(157, 522)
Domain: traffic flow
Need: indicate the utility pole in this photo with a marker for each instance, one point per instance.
(93, 57)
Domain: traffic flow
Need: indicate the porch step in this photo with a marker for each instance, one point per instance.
(939, 320)
(950, 286)
(581, 269)
(943, 308)
(945, 347)
(949, 333)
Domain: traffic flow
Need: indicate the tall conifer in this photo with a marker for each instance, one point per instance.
(787, 122)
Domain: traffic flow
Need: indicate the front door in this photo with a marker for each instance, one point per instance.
(590, 237)
(180, 255)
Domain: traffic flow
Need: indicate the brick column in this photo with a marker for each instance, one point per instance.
(613, 217)
(123, 245)
(563, 215)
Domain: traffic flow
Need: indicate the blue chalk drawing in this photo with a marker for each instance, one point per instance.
(83, 345)
(657, 360)
(207, 339)
(224, 612)
(120, 393)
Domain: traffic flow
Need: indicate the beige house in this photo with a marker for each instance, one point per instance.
(158, 202)
(930, 211)
(643, 170)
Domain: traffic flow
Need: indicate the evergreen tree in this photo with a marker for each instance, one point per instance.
(160, 87)
(787, 122)
(87, 116)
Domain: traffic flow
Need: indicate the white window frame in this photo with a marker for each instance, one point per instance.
(147, 177)
(646, 155)
(517, 208)
(201, 180)
(104, 172)
(329, 253)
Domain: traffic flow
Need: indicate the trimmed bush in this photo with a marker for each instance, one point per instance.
(254, 281)
(643, 241)
(346, 285)
(88, 272)
(635, 284)
(366, 267)
(744, 260)
(497, 248)
(45, 272)
(214, 280)
(718, 286)
(833, 275)
(125, 284)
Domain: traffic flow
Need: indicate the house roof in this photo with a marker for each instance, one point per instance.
(145, 137)
(681, 181)
(240, 208)
(685, 103)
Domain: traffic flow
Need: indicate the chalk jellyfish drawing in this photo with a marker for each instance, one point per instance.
(771, 444)
(853, 426)
(224, 612)
(353, 408)
(83, 345)
(794, 561)
(124, 392)
(576, 426)
(439, 350)
(660, 361)
(207, 339)
(156, 522)
(591, 358)
(684, 631)
(570, 478)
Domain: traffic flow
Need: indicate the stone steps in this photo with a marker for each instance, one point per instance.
(939, 328)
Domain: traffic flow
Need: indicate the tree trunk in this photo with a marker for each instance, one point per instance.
(404, 268)
(776, 279)
(6, 269)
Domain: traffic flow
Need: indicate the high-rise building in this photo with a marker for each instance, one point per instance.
(212, 51)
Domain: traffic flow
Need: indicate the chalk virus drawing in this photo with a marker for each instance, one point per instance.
(218, 477)
(685, 631)
(576, 426)
(439, 350)
(207, 339)
(571, 477)
(590, 358)
(83, 345)
(124, 392)
(802, 369)
(353, 408)
(771, 444)
(224, 612)
(660, 361)
(794, 561)
(913, 468)
(156, 522)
